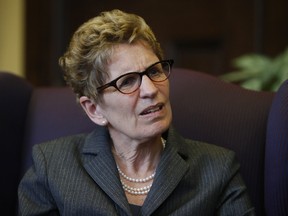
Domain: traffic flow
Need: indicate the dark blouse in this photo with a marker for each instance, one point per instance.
(135, 209)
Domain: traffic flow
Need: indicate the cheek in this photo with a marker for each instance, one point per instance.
(164, 87)
(165, 90)
(120, 110)
(169, 111)
(166, 94)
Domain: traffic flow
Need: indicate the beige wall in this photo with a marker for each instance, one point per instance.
(12, 36)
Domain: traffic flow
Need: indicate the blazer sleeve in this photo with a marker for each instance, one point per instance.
(34, 197)
(234, 198)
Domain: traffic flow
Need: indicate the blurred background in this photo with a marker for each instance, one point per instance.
(203, 35)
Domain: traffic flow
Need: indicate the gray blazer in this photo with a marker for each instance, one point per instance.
(77, 175)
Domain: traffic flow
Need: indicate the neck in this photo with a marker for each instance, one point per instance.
(136, 164)
(138, 159)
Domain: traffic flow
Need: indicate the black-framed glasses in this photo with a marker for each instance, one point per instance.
(130, 82)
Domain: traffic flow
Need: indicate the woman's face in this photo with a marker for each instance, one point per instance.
(144, 113)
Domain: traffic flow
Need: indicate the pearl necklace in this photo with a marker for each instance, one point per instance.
(136, 190)
(135, 180)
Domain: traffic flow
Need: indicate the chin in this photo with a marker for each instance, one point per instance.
(162, 127)
(157, 127)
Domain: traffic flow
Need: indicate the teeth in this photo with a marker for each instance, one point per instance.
(155, 109)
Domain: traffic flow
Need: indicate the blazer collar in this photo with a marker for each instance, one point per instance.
(101, 166)
(170, 171)
(98, 159)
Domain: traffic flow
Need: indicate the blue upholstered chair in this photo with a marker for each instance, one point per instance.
(14, 99)
(276, 159)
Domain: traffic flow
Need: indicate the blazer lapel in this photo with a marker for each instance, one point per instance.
(100, 164)
(98, 158)
(170, 171)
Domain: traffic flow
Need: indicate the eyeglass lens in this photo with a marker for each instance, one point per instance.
(131, 82)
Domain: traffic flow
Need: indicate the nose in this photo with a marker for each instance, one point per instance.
(147, 87)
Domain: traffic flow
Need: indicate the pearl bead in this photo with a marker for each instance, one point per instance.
(135, 190)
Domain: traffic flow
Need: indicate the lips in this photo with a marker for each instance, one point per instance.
(152, 109)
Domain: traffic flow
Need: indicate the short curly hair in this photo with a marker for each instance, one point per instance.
(91, 47)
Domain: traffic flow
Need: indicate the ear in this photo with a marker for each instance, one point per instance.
(93, 111)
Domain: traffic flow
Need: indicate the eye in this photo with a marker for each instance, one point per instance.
(155, 72)
(127, 81)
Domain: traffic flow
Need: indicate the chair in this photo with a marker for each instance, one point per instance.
(208, 109)
(204, 108)
(14, 96)
(276, 159)
(53, 113)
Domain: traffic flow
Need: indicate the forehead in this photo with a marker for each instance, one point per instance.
(130, 58)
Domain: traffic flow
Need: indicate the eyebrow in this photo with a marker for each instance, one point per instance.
(134, 71)
(139, 71)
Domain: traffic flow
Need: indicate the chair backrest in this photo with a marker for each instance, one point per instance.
(204, 108)
(53, 113)
(208, 109)
(14, 98)
(276, 159)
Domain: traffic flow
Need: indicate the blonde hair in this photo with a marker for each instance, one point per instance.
(91, 47)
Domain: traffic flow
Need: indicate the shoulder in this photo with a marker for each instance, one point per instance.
(71, 143)
(208, 156)
(209, 164)
(197, 149)
(207, 150)
(58, 159)
(59, 150)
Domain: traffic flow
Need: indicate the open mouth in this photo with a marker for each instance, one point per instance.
(152, 109)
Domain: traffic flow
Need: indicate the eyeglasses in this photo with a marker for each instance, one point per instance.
(130, 82)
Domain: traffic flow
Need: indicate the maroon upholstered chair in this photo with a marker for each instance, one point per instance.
(53, 113)
(208, 109)
(204, 108)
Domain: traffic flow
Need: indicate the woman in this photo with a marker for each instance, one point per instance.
(135, 164)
